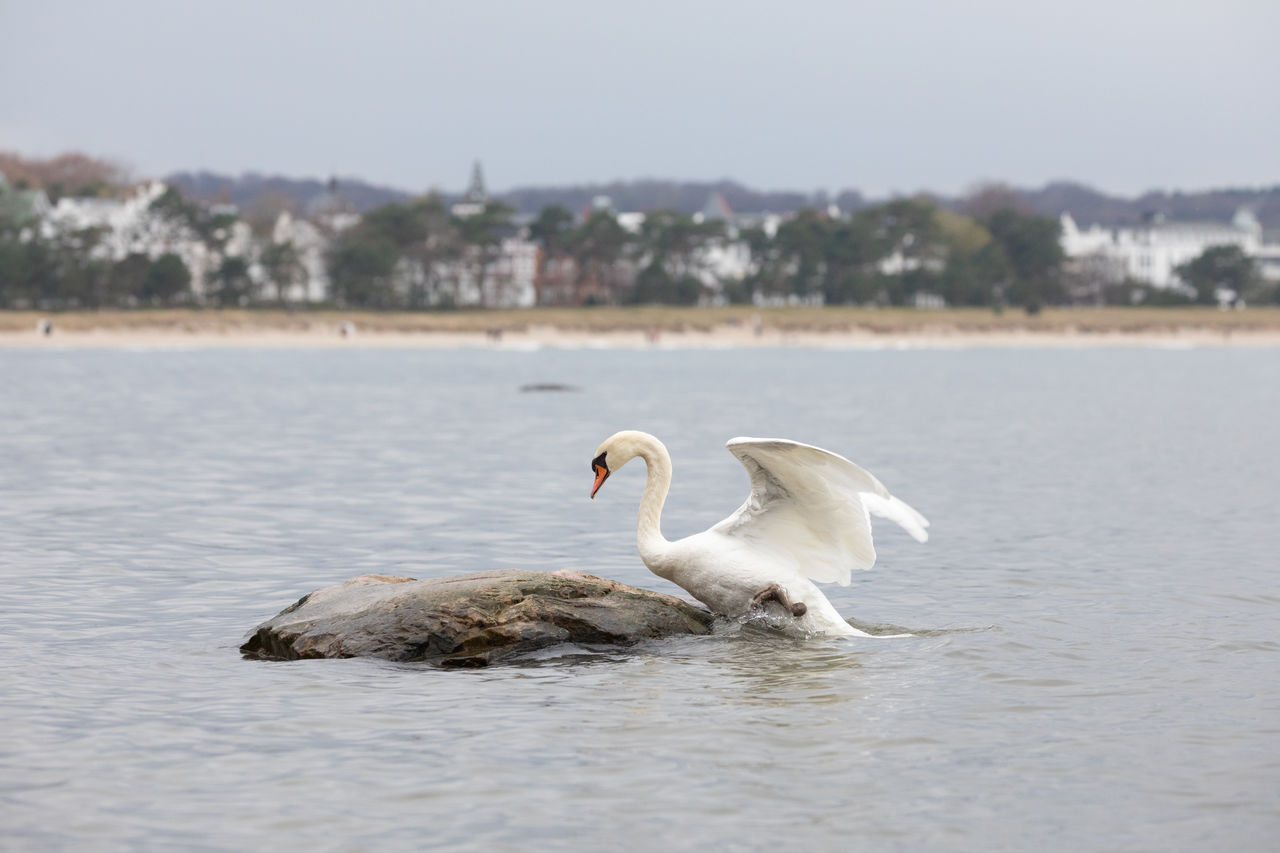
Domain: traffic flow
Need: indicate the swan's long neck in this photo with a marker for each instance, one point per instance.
(653, 545)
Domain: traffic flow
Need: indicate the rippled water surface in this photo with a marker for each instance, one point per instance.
(1099, 607)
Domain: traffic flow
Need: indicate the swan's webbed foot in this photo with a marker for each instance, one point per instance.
(773, 592)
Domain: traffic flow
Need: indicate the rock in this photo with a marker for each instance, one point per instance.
(469, 620)
(547, 386)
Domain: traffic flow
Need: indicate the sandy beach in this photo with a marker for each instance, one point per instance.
(647, 328)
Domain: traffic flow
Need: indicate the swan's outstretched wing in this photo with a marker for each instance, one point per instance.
(811, 506)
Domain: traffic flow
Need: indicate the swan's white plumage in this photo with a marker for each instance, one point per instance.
(807, 519)
(811, 506)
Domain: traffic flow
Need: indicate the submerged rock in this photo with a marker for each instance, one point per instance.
(469, 620)
(548, 386)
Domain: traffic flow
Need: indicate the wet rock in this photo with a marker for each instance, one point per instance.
(469, 620)
(548, 386)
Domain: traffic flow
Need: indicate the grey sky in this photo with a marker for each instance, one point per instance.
(881, 97)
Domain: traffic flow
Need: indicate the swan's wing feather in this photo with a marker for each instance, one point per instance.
(899, 512)
(811, 506)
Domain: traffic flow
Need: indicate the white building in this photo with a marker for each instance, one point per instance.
(506, 281)
(503, 280)
(311, 283)
(126, 226)
(1268, 261)
(719, 261)
(725, 260)
(1152, 252)
(901, 261)
(129, 226)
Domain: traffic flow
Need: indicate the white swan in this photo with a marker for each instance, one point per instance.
(805, 520)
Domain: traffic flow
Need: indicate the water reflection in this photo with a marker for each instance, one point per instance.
(768, 670)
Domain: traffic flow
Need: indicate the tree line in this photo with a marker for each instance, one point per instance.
(996, 254)
(419, 255)
(879, 255)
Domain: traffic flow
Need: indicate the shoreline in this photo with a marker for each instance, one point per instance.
(539, 339)
(647, 328)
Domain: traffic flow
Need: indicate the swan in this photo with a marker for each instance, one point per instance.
(806, 520)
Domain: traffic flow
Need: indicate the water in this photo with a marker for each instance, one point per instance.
(1099, 665)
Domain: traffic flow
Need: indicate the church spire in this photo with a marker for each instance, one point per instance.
(475, 189)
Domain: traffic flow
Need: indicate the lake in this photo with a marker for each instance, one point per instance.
(1096, 666)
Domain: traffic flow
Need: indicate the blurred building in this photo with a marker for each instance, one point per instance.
(1152, 252)
(21, 207)
(476, 198)
(120, 227)
(306, 278)
(332, 211)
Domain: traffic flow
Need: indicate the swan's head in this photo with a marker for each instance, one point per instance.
(617, 450)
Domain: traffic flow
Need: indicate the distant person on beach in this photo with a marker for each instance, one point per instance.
(44, 326)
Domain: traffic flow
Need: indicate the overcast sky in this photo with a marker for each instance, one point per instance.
(882, 97)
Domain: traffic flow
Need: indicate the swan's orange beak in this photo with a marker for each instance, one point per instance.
(602, 474)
